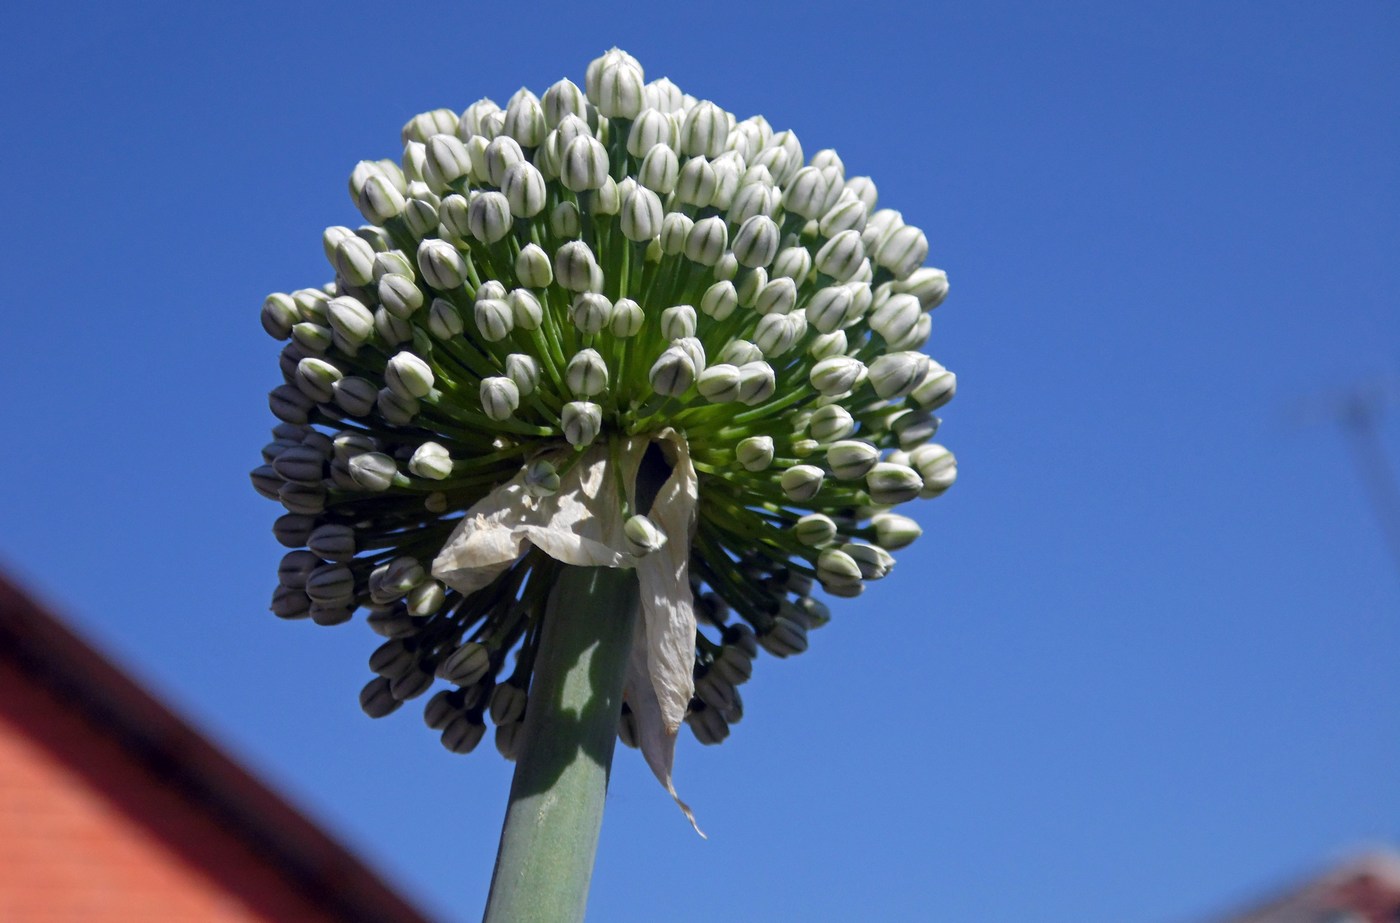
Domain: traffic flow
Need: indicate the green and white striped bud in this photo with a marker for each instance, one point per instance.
(587, 373)
(678, 321)
(696, 184)
(874, 562)
(467, 665)
(894, 531)
(524, 370)
(889, 484)
(590, 312)
(841, 256)
(651, 128)
(794, 263)
(316, 378)
(396, 409)
(399, 295)
(757, 382)
(581, 421)
(500, 155)
(641, 215)
(616, 87)
(755, 453)
(431, 460)
(642, 535)
(719, 383)
(815, 529)
(851, 459)
(802, 482)
(499, 397)
(443, 320)
(720, 300)
(583, 165)
(408, 376)
(779, 296)
(756, 243)
(524, 120)
(532, 267)
(494, 319)
(627, 318)
(705, 241)
(830, 423)
(897, 374)
(673, 373)
(374, 471)
(836, 566)
(541, 478)
(704, 130)
(574, 266)
(441, 265)
(659, 170)
(902, 251)
(938, 468)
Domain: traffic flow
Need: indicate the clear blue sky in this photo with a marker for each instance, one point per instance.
(1142, 665)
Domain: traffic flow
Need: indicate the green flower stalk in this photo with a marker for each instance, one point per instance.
(605, 327)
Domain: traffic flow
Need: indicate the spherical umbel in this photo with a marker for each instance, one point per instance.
(575, 279)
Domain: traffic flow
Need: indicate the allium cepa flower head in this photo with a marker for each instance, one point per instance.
(550, 298)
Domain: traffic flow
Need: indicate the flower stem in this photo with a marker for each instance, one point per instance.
(551, 829)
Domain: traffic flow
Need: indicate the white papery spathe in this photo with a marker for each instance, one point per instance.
(582, 525)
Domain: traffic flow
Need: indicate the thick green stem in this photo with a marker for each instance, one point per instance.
(561, 776)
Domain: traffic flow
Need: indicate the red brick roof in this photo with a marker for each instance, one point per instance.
(112, 808)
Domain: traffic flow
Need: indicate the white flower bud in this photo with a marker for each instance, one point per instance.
(441, 265)
(616, 87)
(373, 471)
(651, 128)
(391, 329)
(694, 349)
(376, 699)
(848, 214)
(664, 95)
(719, 383)
(467, 665)
(561, 99)
(838, 566)
(841, 256)
(399, 295)
(788, 143)
(897, 320)
(532, 267)
(728, 172)
(414, 160)
(897, 374)
(351, 319)
(499, 156)
(489, 217)
(936, 388)
(307, 338)
(524, 370)
(432, 461)
(903, 251)
(779, 296)
(355, 396)
(914, 428)
(830, 423)
(452, 218)
(750, 283)
(279, 313)
(627, 318)
(659, 170)
(408, 376)
(673, 373)
(395, 409)
(607, 199)
(827, 345)
(678, 321)
(541, 478)
(574, 265)
(894, 531)
(696, 183)
(302, 464)
(793, 262)
(379, 200)
(581, 422)
(927, 284)
(864, 189)
(751, 200)
(851, 459)
(837, 375)
(756, 243)
(583, 164)
(570, 127)
(776, 334)
(643, 536)
(720, 300)
(524, 119)
(420, 215)
(426, 124)
(938, 468)
(316, 378)
(587, 373)
(524, 189)
(806, 194)
(706, 241)
(445, 161)
(500, 397)
(802, 482)
(641, 215)
(331, 238)
(675, 229)
(704, 131)
(756, 382)
(590, 312)
(737, 352)
(878, 226)
(889, 483)
(333, 542)
(755, 453)
(354, 261)
(443, 320)
(815, 530)
(524, 309)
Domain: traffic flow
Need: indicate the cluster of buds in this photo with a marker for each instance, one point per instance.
(565, 275)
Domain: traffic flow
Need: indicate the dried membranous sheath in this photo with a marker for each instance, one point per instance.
(549, 298)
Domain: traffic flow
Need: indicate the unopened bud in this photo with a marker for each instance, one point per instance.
(587, 373)
(850, 459)
(441, 265)
(894, 531)
(467, 665)
(532, 267)
(802, 482)
(815, 529)
(757, 382)
(897, 374)
(889, 483)
(755, 453)
(524, 370)
(432, 461)
(642, 535)
(841, 256)
(581, 422)
(499, 397)
(673, 373)
(627, 318)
